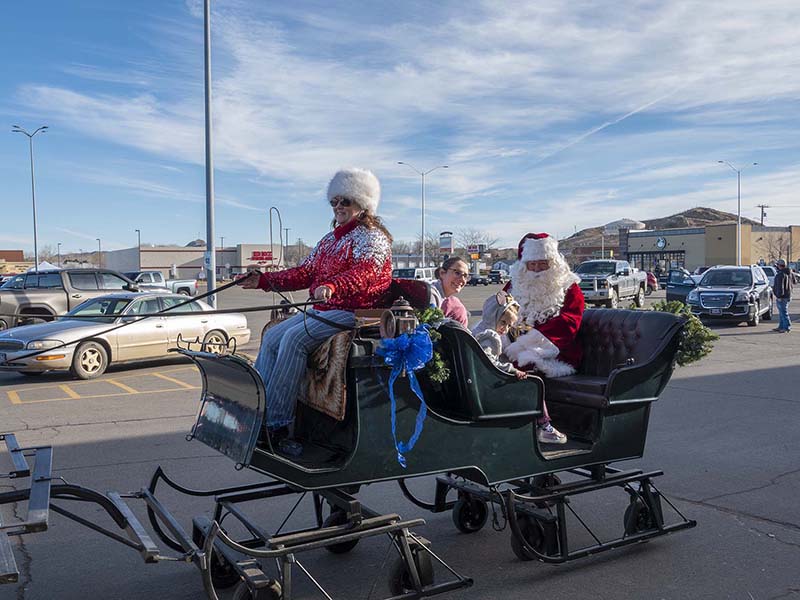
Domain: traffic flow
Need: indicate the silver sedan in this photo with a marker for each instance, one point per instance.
(140, 339)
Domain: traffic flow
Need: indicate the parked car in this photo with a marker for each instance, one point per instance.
(41, 296)
(608, 282)
(770, 272)
(154, 280)
(728, 293)
(142, 339)
(652, 284)
(478, 280)
(422, 273)
(498, 276)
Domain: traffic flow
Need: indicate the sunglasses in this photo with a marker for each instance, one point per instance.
(346, 202)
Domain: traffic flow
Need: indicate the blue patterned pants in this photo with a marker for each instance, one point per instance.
(283, 356)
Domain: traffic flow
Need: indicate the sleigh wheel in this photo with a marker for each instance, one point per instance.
(470, 514)
(338, 517)
(271, 592)
(541, 535)
(638, 517)
(400, 580)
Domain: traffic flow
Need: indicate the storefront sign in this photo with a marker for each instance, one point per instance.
(261, 256)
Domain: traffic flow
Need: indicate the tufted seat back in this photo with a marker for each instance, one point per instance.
(618, 338)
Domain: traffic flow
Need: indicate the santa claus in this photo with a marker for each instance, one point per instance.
(551, 302)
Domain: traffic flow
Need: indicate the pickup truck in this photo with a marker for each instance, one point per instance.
(48, 293)
(608, 282)
(154, 280)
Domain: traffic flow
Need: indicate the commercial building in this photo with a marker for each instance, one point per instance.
(692, 247)
(186, 262)
(13, 261)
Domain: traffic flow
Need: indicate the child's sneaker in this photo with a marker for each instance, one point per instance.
(547, 434)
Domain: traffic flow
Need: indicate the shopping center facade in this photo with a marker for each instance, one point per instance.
(692, 247)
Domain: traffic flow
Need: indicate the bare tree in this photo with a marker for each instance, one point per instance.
(777, 247)
(467, 237)
(400, 247)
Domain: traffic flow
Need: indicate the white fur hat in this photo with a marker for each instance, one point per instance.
(359, 185)
(537, 246)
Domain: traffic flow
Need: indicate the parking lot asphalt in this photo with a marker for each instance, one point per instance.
(724, 432)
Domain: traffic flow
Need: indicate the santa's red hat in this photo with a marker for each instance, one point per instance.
(537, 246)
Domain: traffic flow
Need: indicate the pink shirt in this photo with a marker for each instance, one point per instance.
(454, 309)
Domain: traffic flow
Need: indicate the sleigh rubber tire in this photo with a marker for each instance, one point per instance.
(542, 535)
(470, 514)
(400, 578)
(86, 355)
(338, 517)
(638, 517)
(271, 592)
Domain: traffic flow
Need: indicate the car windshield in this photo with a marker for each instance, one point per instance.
(100, 310)
(403, 273)
(597, 268)
(727, 278)
(131, 275)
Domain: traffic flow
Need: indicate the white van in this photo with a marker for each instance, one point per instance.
(421, 273)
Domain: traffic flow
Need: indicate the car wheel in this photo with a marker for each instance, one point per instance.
(649, 290)
(215, 341)
(183, 292)
(3, 325)
(90, 361)
(768, 314)
(614, 300)
(756, 319)
(638, 300)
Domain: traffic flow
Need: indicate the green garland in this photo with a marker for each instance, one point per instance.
(697, 340)
(437, 369)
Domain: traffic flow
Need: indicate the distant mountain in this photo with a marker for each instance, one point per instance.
(694, 217)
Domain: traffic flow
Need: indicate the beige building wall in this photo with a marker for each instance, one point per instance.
(721, 244)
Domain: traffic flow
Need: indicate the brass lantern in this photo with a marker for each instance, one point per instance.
(398, 319)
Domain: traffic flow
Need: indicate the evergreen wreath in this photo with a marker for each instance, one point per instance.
(437, 369)
(697, 340)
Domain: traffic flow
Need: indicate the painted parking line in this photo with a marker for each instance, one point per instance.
(173, 380)
(147, 383)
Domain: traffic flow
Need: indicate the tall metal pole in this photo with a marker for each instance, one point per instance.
(423, 221)
(422, 174)
(59, 254)
(99, 254)
(18, 129)
(210, 258)
(739, 218)
(738, 208)
(139, 246)
(285, 254)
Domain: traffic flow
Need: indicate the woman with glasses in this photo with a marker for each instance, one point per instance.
(451, 278)
(350, 268)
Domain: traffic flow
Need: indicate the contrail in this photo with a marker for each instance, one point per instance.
(591, 132)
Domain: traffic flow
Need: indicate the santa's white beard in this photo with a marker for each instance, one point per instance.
(540, 294)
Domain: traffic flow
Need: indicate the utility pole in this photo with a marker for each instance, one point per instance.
(286, 229)
(763, 212)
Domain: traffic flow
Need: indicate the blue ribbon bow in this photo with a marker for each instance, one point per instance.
(407, 353)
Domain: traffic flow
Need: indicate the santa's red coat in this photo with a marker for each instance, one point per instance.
(562, 329)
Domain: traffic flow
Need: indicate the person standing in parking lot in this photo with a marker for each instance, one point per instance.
(782, 289)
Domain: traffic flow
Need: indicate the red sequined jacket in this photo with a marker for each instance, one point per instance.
(352, 260)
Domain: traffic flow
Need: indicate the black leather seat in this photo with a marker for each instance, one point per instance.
(615, 342)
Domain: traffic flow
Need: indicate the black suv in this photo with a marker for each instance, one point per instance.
(732, 294)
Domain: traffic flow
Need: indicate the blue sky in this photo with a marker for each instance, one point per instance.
(551, 115)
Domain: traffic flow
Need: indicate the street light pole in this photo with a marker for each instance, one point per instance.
(139, 246)
(210, 258)
(286, 229)
(59, 254)
(18, 129)
(738, 208)
(422, 175)
(99, 254)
